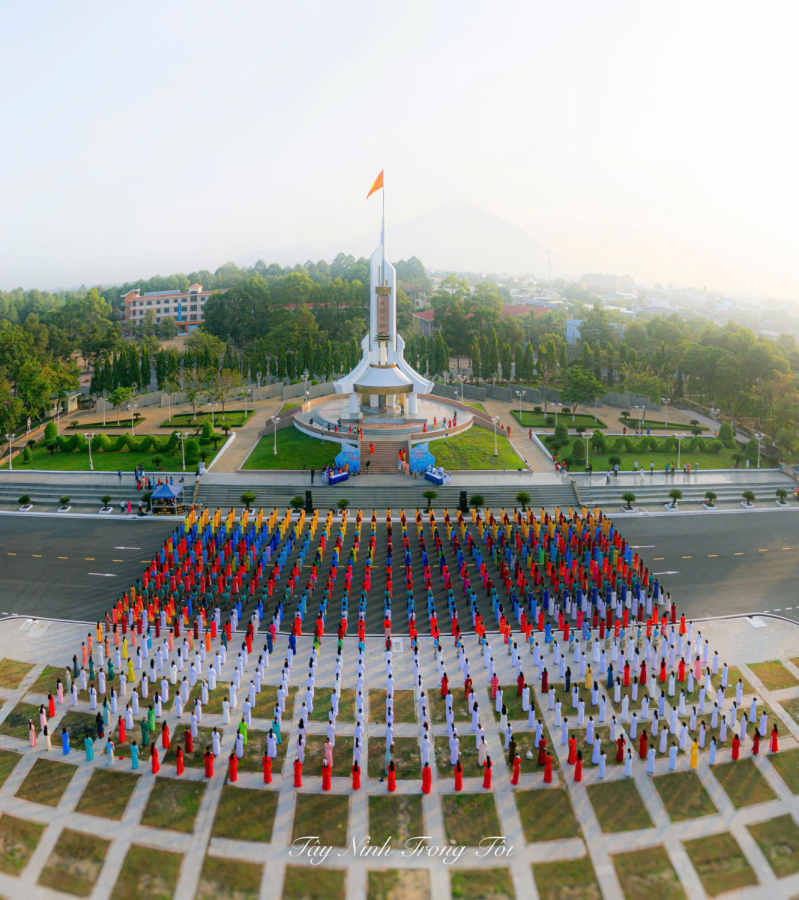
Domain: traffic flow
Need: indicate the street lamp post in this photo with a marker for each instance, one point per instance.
(213, 409)
(105, 404)
(759, 439)
(132, 407)
(182, 438)
(11, 438)
(462, 378)
(258, 378)
(520, 394)
(89, 438)
(275, 420)
(665, 401)
(246, 394)
(679, 446)
(305, 383)
(495, 419)
(556, 407)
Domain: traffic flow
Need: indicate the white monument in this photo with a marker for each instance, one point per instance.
(383, 384)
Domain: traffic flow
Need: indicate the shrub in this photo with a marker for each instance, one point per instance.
(710, 496)
(430, 496)
(737, 458)
(27, 456)
(538, 410)
(566, 410)
(50, 431)
(629, 499)
(64, 501)
(716, 446)
(192, 451)
(549, 420)
(614, 460)
(782, 495)
(207, 430)
(561, 432)
(696, 445)
(24, 500)
(726, 436)
(750, 451)
(106, 500)
(599, 442)
(248, 498)
(342, 503)
(696, 429)
(749, 497)
(297, 502)
(694, 421)
(52, 446)
(477, 501)
(578, 449)
(523, 498)
(675, 494)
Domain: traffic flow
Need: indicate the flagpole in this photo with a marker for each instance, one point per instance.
(383, 237)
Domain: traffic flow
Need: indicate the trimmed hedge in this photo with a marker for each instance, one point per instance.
(103, 443)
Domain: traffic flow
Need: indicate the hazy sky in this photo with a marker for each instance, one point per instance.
(657, 140)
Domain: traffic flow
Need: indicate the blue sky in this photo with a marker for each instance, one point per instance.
(650, 139)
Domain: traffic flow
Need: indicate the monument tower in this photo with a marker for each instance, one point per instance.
(383, 384)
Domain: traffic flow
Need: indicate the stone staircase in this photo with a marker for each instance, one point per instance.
(384, 460)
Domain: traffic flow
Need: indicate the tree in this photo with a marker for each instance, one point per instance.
(782, 495)
(430, 496)
(749, 497)
(675, 494)
(477, 501)
(474, 355)
(629, 499)
(248, 498)
(223, 383)
(507, 361)
(710, 497)
(118, 397)
(168, 329)
(581, 387)
(195, 381)
(523, 498)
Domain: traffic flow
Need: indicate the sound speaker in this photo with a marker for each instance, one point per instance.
(308, 502)
(463, 506)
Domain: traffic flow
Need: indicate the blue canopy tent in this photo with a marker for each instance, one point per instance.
(167, 499)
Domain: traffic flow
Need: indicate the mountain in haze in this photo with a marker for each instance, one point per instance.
(467, 239)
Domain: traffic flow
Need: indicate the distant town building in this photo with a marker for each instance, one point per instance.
(573, 330)
(608, 284)
(185, 307)
(424, 322)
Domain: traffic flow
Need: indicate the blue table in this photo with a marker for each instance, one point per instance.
(436, 479)
(335, 479)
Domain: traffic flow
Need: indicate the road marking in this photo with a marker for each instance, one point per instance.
(666, 573)
(762, 551)
(659, 558)
(63, 557)
(127, 548)
(117, 560)
(12, 554)
(687, 557)
(89, 558)
(786, 548)
(766, 610)
(642, 546)
(788, 608)
(778, 610)
(37, 555)
(711, 555)
(103, 574)
(737, 554)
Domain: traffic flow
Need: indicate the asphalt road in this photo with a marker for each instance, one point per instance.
(72, 568)
(723, 563)
(713, 565)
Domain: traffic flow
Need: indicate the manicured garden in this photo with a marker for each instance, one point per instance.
(295, 450)
(529, 419)
(633, 423)
(232, 417)
(62, 453)
(474, 449)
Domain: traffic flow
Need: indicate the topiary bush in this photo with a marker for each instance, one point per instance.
(614, 460)
(207, 429)
(750, 451)
(27, 456)
(561, 432)
(726, 436)
(50, 431)
(578, 449)
(192, 451)
(716, 446)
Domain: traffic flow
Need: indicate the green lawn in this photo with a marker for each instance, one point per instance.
(659, 423)
(572, 878)
(18, 839)
(75, 863)
(648, 875)
(477, 406)
(233, 417)
(774, 675)
(295, 450)
(720, 863)
(147, 872)
(474, 449)
(779, 841)
(721, 460)
(529, 419)
(106, 461)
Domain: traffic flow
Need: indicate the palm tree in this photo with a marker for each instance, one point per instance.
(675, 494)
(629, 499)
(64, 502)
(737, 458)
(477, 501)
(710, 497)
(782, 495)
(430, 496)
(25, 500)
(523, 498)
(749, 497)
(106, 500)
(343, 503)
(297, 502)
(248, 498)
